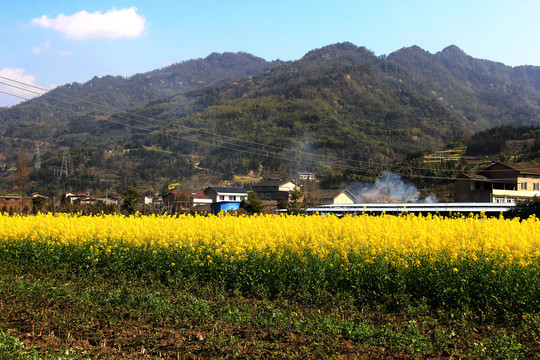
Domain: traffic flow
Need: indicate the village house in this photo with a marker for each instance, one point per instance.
(152, 200)
(304, 176)
(333, 196)
(499, 183)
(77, 198)
(273, 189)
(177, 200)
(38, 195)
(109, 200)
(225, 198)
(183, 200)
(199, 199)
(83, 199)
(15, 203)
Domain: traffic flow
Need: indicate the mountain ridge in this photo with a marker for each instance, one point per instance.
(122, 93)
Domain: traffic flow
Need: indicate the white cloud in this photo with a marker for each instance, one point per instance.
(17, 81)
(112, 24)
(64, 53)
(43, 48)
(46, 47)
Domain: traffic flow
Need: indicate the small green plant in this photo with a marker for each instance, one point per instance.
(14, 348)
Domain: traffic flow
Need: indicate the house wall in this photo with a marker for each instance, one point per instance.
(197, 202)
(225, 206)
(530, 180)
(14, 203)
(274, 192)
(509, 196)
(224, 197)
(211, 194)
(304, 176)
(464, 191)
(343, 198)
(272, 195)
(230, 197)
(287, 186)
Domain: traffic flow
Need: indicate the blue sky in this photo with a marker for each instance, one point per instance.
(48, 43)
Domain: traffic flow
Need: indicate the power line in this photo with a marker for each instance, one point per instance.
(259, 153)
(180, 137)
(20, 97)
(224, 138)
(234, 147)
(228, 140)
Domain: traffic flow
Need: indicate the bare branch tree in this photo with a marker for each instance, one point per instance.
(22, 175)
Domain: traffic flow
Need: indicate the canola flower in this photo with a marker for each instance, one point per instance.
(452, 261)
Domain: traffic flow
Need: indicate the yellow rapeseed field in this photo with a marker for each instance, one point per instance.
(400, 240)
(473, 262)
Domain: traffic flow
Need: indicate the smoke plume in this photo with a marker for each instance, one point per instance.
(389, 188)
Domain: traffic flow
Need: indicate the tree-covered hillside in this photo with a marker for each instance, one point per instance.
(483, 93)
(508, 141)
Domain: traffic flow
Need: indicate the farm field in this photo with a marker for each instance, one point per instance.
(270, 286)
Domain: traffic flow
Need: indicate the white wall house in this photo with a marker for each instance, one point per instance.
(225, 194)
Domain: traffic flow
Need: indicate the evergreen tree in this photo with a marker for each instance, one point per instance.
(253, 204)
(131, 201)
(295, 206)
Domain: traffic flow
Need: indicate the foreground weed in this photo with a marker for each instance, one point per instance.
(501, 346)
(13, 348)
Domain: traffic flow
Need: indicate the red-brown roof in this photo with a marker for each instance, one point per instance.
(199, 195)
(374, 198)
(472, 176)
(522, 167)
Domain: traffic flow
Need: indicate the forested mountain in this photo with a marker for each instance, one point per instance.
(484, 93)
(115, 93)
(334, 106)
(339, 106)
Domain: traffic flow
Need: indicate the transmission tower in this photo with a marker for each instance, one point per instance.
(38, 158)
(64, 167)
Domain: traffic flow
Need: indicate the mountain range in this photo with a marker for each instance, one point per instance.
(234, 113)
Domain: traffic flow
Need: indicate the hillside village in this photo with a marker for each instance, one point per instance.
(503, 183)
